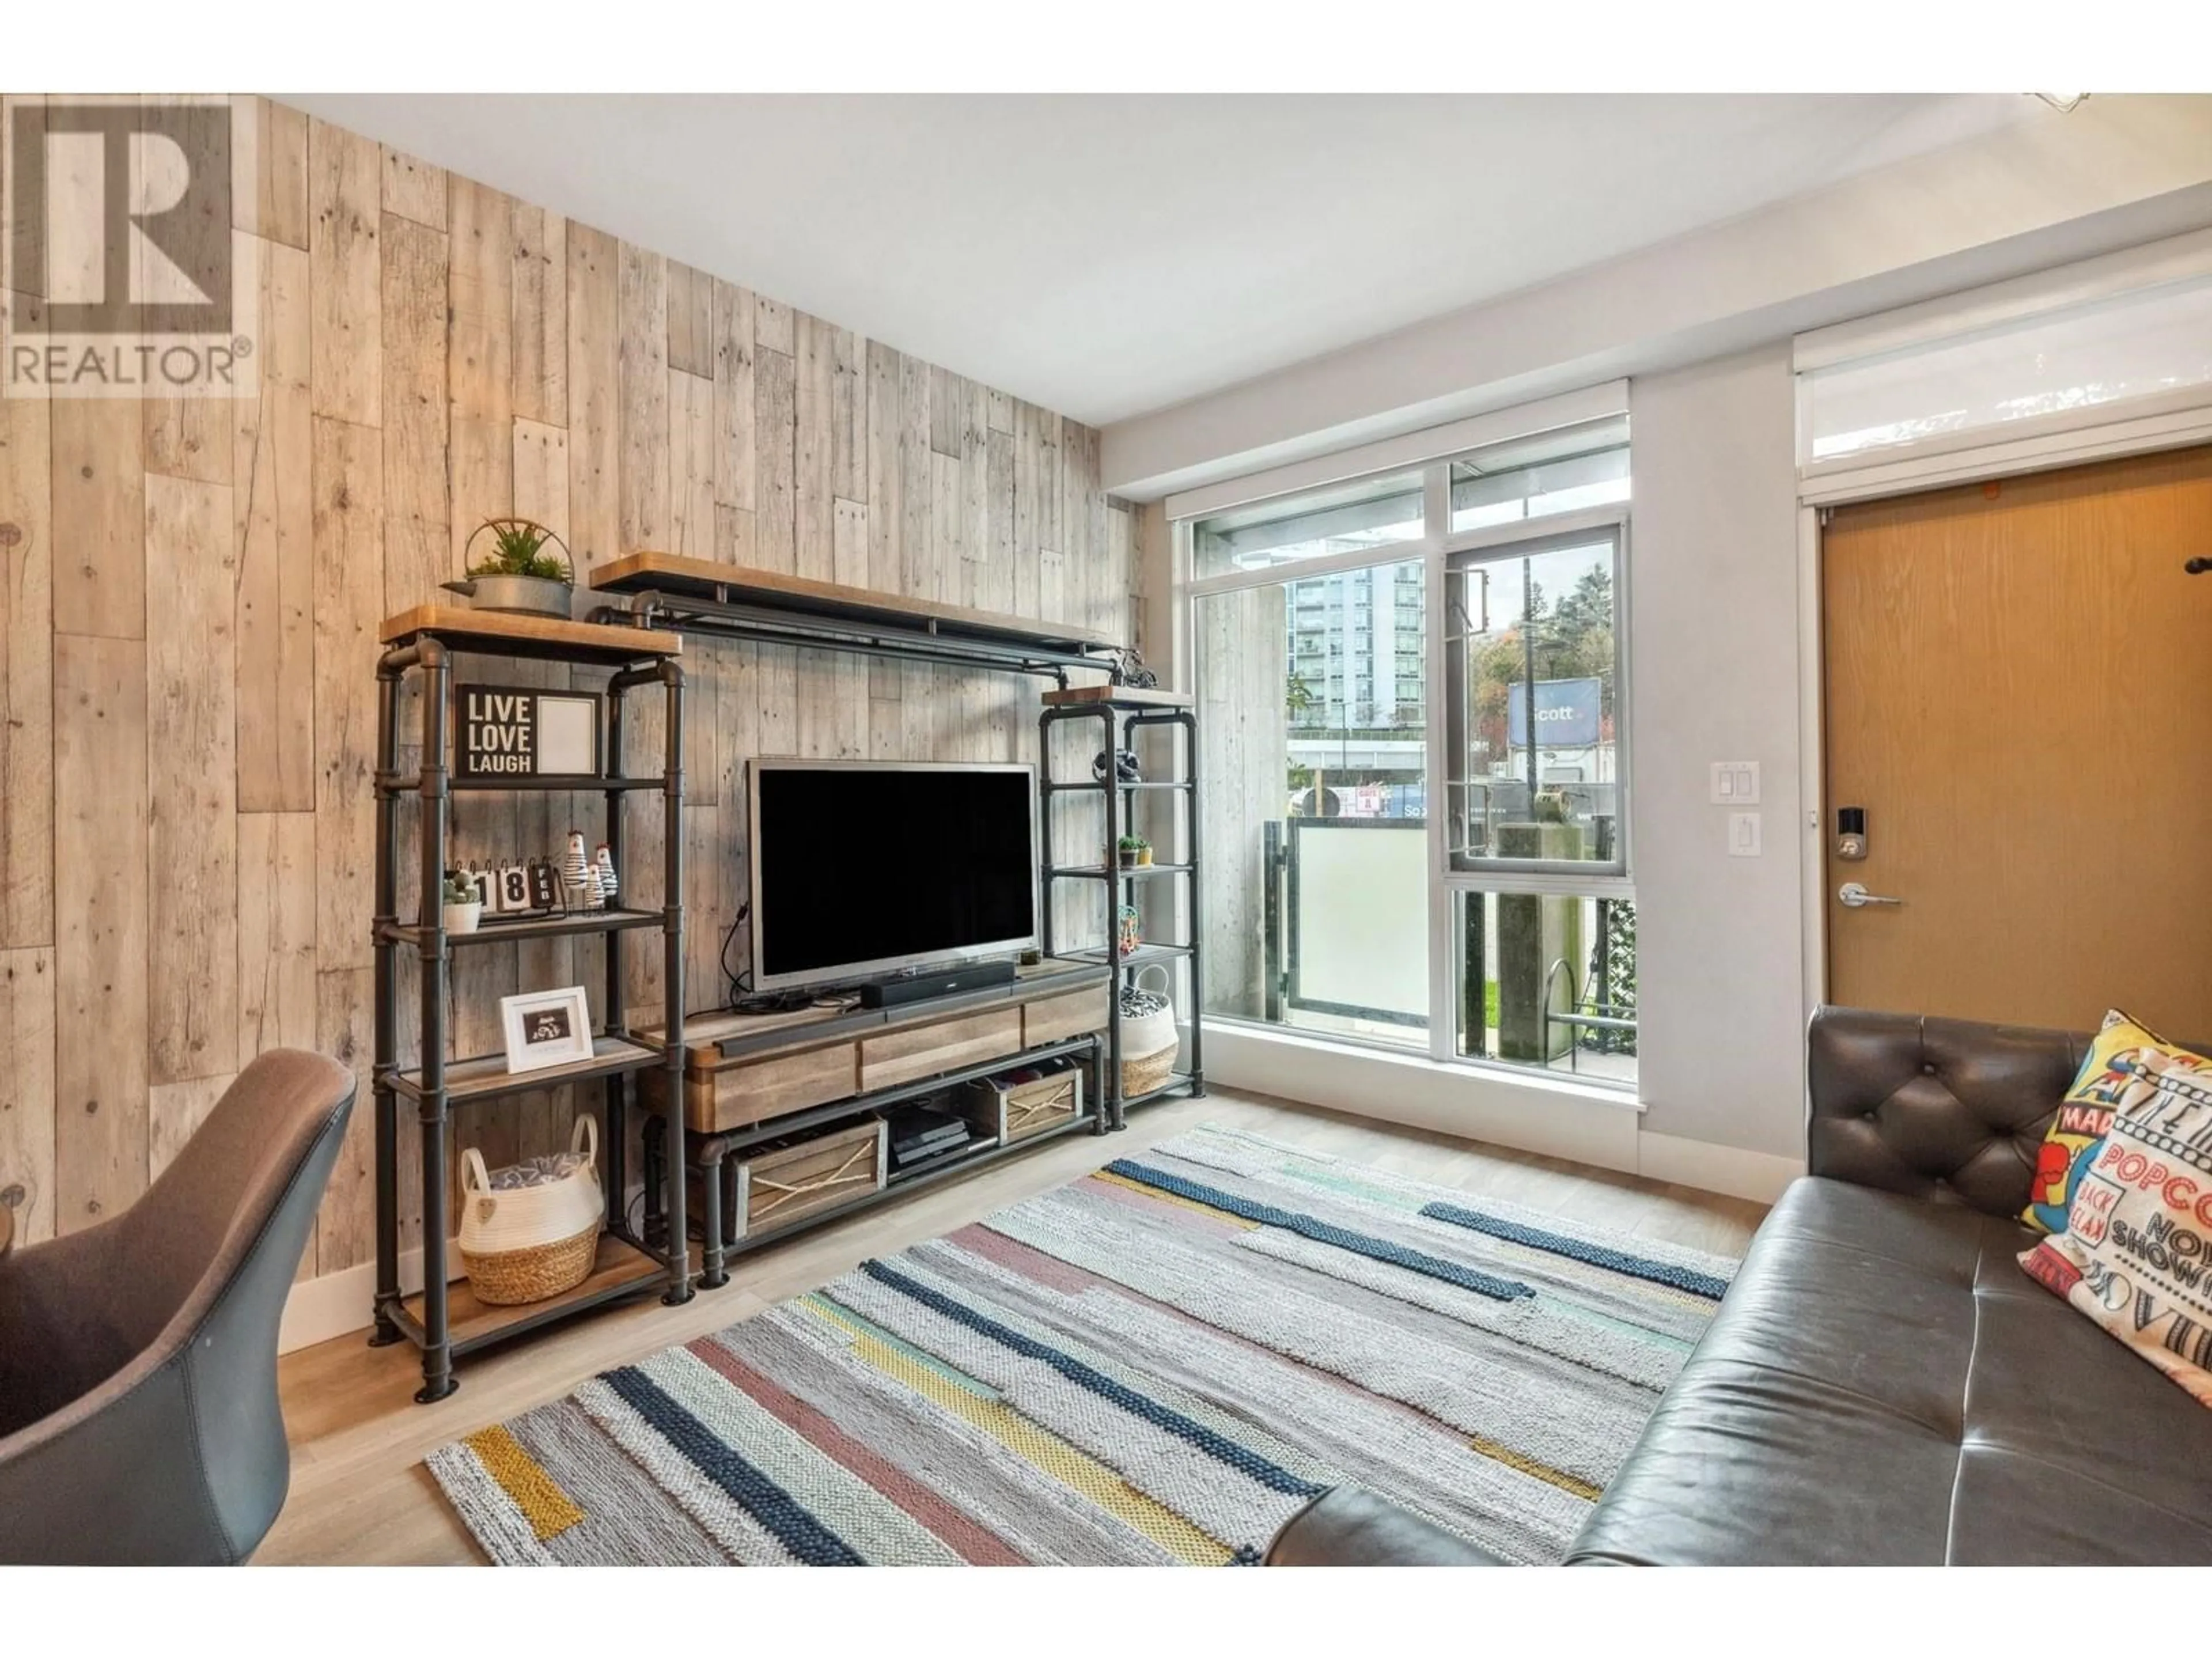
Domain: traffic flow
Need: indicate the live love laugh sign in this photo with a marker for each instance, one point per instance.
(517, 730)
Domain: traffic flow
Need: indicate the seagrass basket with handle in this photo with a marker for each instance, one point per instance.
(526, 1244)
(1149, 1038)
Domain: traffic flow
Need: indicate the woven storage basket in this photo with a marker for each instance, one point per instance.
(1149, 1040)
(1141, 1077)
(529, 1242)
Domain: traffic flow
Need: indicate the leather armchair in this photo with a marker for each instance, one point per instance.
(139, 1422)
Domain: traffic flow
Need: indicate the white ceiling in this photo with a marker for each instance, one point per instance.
(1106, 255)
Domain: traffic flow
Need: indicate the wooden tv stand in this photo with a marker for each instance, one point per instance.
(755, 1080)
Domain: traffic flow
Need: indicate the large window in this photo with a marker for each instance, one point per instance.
(1483, 913)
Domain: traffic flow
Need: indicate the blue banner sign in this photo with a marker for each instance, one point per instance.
(1567, 714)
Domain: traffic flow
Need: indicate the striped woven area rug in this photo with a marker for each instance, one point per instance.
(1160, 1363)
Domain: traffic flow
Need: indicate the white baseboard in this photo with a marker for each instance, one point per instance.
(1535, 1115)
(318, 1309)
(1712, 1167)
(343, 1302)
(1532, 1115)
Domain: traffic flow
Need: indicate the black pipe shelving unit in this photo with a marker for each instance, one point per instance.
(1121, 713)
(422, 642)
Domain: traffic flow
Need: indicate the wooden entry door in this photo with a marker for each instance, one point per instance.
(2019, 694)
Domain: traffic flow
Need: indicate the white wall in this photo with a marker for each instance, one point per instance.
(2119, 171)
(1713, 634)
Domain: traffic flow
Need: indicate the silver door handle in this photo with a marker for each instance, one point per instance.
(1856, 897)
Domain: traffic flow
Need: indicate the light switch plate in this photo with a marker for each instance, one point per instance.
(1735, 783)
(1743, 834)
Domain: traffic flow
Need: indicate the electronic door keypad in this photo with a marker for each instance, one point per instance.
(1850, 833)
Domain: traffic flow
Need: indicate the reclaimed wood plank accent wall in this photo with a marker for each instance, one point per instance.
(192, 594)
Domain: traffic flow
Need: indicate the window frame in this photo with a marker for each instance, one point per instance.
(1586, 878)
(1438, 544)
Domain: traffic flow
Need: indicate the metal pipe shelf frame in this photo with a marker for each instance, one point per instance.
(1119, 722)
(736, 602)
(429, 651)
(766, 625)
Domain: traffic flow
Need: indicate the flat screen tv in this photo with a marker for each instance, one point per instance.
(864, 869)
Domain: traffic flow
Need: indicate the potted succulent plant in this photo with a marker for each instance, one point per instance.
(1136, 852)
(519, 573)
(464, 910)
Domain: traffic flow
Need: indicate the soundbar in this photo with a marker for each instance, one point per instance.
(938, 982)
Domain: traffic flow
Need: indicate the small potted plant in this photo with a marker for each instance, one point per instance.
(464, 909)
(1136, 852)
(519, 573)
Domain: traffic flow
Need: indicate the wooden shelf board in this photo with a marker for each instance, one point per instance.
(1128, 872)
(1120, 696)
(736, 584)
(1143, 956)
(541, 783)
(618, 1266)
(550, 926)
(558, 783)
(509, 634)
(1051, 788)
(486, 1075)
(1177, 1083)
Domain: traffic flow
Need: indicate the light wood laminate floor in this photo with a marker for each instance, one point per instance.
(361, 1494)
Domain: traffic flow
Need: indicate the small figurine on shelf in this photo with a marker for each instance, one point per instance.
(1126, 769)
(595, 893)
(605, 862)
(576, 873)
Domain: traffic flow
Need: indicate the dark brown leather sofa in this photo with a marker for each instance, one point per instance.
(1882, 1384)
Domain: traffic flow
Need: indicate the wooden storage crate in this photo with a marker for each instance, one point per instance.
(775, 1185)
(1018, 1111)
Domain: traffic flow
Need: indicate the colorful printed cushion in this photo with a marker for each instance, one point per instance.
(2136, 1254)
(2116, 1073)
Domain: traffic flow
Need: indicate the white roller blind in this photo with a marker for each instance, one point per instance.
(2129, 346)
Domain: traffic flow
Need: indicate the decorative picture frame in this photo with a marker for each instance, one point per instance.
(526, 730)
(546, 1029)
